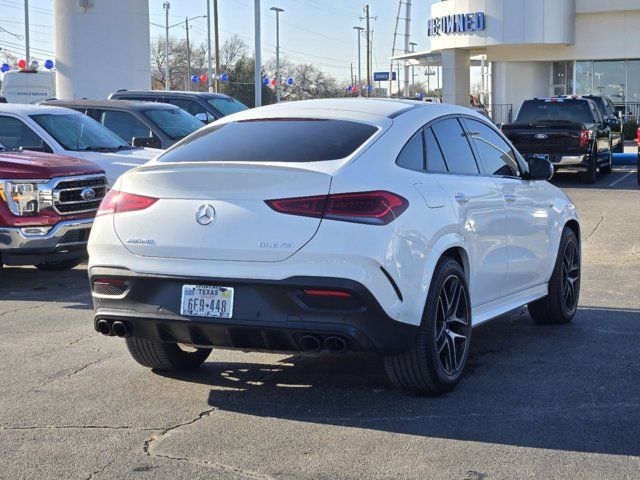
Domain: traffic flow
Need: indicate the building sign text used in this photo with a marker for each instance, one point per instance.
(458, 23)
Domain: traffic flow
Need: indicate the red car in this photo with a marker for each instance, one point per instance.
(47, 205)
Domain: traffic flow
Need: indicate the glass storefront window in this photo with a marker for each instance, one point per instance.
(609, 78)
(633, 78)
(584, 78)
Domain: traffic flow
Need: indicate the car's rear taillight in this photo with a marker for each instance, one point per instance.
(120, 202)
(373, 208)
(585, 138)
(638, 137)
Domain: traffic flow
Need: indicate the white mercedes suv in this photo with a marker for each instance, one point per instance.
(333, 225)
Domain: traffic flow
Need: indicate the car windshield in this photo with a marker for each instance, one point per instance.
(272, 140)
(77, 132)
(227, 106)
(546, 111)
(175, 122)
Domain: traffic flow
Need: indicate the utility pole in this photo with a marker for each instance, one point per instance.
(166, 7)
(407, 37)
(186, 26)
(278, 87)
(413, 67)
(27, 46)
(366, 8)
(217, 41)
(209, 79)
(258, 63)
(393, 49)
(351, 79)
(359, 32)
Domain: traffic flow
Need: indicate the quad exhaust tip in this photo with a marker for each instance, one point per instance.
(103, 327)
(120, 329)
(311, 343)
(117, 328)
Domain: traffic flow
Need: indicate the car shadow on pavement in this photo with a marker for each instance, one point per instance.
(574, 387)
(32, 285)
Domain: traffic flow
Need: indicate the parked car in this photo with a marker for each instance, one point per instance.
(608, 111)
(141, 124)
(638, 142)
(290, 242)
(206, 107)
(67, 132)
(570, 132)
(47, 205)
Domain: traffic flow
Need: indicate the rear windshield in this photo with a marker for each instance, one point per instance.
(545, 111)
(272, 140)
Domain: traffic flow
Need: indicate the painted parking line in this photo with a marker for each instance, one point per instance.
(616, 182)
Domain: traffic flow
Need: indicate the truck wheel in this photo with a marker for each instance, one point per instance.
(590, 176)
(561, 303)
(165, 356)
(607, 167)
(435, 362)
(58, 266)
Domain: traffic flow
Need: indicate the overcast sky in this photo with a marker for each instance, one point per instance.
(311, 31)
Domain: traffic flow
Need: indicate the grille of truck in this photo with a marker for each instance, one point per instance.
(75, 195)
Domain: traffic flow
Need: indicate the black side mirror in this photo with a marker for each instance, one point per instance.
(149, 142)
(539, 169)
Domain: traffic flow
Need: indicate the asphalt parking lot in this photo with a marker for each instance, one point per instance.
(537, 402)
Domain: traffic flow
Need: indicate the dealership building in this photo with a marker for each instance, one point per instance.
(534, 48)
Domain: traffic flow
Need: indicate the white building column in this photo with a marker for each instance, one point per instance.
(456, 76)
(514, 82)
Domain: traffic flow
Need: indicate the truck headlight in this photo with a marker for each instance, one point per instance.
(22, 198)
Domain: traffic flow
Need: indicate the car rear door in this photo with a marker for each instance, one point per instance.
(478, 204)
(531, 220)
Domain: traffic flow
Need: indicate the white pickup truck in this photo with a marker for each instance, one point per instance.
(67, 132)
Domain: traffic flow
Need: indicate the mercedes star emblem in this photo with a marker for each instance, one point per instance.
(205, 214)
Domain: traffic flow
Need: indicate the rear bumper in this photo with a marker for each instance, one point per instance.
(268, 315)
(28, 246)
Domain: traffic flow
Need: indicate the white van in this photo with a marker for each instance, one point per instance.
(28, 86)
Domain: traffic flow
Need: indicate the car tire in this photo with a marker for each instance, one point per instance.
(162, 356)
(561, 302)
(639, 168)
(590, 176)
(58, 266)
(607, 167)
(436, 360)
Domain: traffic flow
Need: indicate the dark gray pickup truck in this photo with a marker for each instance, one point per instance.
(570, 132)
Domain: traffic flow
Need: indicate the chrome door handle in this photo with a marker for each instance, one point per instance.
(461, 198)
(509, 198)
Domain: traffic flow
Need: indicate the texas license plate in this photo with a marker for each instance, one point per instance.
(206, 301)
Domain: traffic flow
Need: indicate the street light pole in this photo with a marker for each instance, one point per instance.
(358, 32)
(278, 11)
(413, 67)
(209, 89)
(166, 45)
(258, 60)
(27, 46)
(186, 26)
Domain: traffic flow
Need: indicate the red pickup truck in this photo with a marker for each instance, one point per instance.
(47, 205)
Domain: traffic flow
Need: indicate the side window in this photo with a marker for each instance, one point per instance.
(596, 113)
(125, 125)
(189, 106)
(435, 159)
(15, 134)
(496, 154)
(412, 154)
(455, 146)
